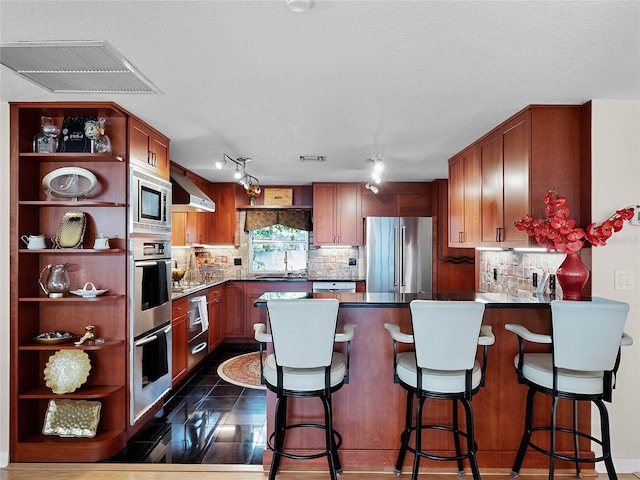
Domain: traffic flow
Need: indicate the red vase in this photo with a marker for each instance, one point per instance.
(572, 276)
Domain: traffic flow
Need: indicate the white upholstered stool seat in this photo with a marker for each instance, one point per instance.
(306, 379)
(585, 342)
(444, 381)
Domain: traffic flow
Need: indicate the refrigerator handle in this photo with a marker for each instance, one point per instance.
(401, 249)
(395, 256)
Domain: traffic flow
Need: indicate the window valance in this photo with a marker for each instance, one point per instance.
(300, 219)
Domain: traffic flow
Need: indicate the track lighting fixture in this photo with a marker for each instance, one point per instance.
(376, 173)
(373, 188)
(240, 173)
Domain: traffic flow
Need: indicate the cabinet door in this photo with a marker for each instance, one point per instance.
(516, 152)
(456, 201)
(148, 149)
(324, 211)
(349, 224)
(414, 205)
(214, 309)
(179, 229)
(492, 190)
(179, 346)
(464, 199)
(160, 149)
(379, 205)
(224, 231)
(233, 316)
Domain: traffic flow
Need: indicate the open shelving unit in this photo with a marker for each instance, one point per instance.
(32, 312)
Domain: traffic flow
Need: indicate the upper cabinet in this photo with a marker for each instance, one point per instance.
(519, 161)
(224, 229)
(398, 199)
(337, 214)
(464, 198)
(148, 148)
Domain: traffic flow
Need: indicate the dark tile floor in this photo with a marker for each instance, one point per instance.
(206, 420)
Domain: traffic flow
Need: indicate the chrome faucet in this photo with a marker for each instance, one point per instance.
(286, 264)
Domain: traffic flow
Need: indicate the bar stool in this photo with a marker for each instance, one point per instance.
(304, 365)
(586, 339)
(442, 366)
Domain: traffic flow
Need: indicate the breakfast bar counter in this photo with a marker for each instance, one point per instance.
(369, 411)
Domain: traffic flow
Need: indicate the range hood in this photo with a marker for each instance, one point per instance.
(187, 197)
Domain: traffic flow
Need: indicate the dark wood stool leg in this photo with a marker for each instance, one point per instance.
(471, 440)
(404, 436)
(416, 460)
(526, 436)
(606, 439)
(456, 436)
(576, 448)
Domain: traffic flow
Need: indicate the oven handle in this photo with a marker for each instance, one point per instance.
(139, 263)
(151, 338)
(198, 348)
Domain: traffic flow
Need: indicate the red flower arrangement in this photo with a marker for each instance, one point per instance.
(559, 233)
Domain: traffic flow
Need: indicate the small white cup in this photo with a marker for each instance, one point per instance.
(101, 243)
(34, 242)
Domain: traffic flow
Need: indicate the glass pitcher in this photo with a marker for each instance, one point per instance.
(57, 283)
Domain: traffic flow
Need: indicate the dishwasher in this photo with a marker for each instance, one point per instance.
(337, 287)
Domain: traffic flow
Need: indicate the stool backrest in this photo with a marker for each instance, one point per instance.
(303, 331)
(446, 334)
(586, 335)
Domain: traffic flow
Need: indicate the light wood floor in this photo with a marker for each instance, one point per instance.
(103, 471)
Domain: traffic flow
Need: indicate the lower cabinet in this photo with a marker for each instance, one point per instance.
(179, 320)
(233, 312)
(214, 308)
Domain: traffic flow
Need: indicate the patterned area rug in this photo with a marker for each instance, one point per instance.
(243, 370)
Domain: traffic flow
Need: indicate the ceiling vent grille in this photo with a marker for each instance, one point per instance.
(74, 67)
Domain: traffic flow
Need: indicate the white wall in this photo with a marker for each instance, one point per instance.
(615, 185)
(4, 281)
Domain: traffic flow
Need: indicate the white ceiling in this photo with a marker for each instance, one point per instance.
(415, 81)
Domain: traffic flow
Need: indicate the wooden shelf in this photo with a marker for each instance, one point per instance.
(68, 346)
(76, 157)
(73, 298)
(89, 391)
(62, 251)
(71, 203)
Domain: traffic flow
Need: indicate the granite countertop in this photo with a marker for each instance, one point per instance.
(402, 300)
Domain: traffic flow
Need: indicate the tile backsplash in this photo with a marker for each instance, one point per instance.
(514, 271)
(220, 262)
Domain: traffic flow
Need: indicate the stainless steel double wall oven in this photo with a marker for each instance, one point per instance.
(150, 291)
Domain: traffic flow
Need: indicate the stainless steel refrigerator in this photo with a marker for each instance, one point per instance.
(399, 254)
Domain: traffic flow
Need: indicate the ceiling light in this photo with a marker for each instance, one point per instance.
(240, 172)
(221, 163)
(299, 6)
(373, 188)
(75, 67)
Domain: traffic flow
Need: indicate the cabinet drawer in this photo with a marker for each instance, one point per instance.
(179, 307)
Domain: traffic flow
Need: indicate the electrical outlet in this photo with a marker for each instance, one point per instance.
(636, 216)
(535, 279)
(237, 261)
(495, 274)
(352, 261)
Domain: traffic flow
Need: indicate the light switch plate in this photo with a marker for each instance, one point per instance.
(625, 280)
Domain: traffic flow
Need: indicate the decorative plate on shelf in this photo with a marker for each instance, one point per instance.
(67, 370)
(72, 418)
(69, 182)
(55, 338)
(88, 293)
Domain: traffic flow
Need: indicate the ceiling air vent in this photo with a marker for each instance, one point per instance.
(312, 158)
(74, 67)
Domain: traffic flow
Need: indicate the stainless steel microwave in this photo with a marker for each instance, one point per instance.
(150, 204)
